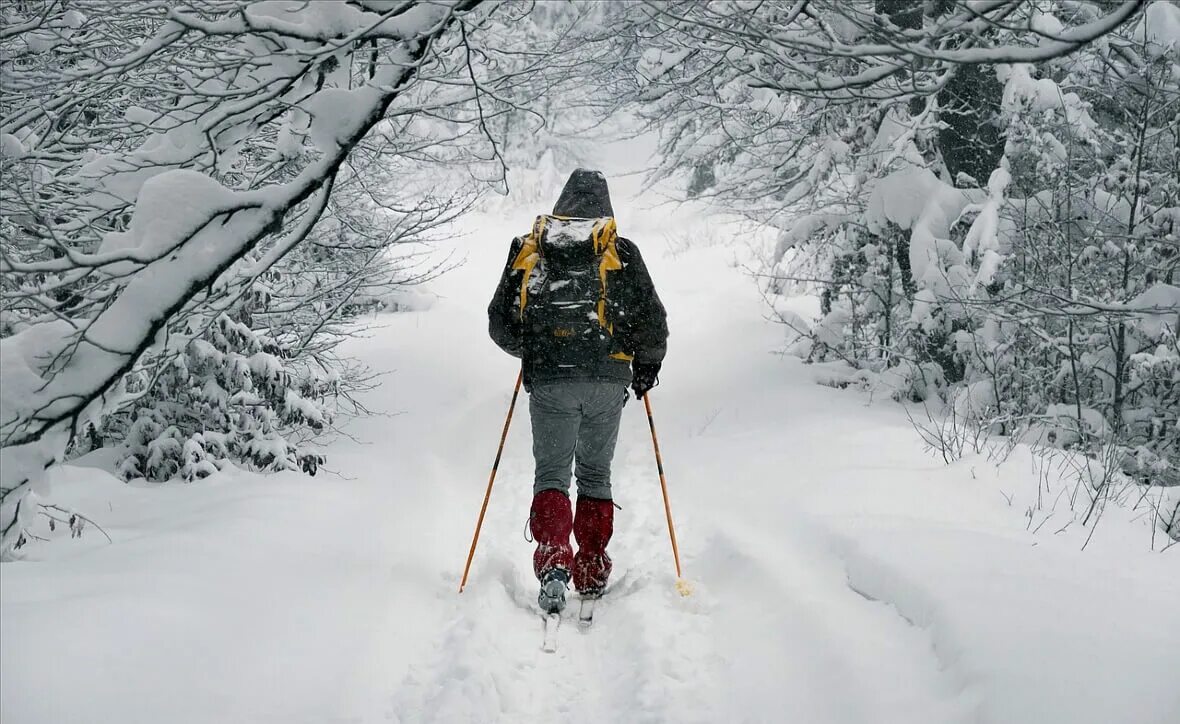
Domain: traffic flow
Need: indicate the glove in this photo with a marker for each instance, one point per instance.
(644, 376)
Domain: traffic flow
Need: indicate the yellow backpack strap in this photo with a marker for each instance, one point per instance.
(605, 242)
(526, 260)
(605, 236)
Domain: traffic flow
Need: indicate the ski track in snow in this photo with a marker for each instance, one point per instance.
(654, 656)
(841, 574)
(632, 666)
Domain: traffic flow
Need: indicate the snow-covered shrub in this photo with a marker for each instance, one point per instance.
(232, 395)
(1089, 237)
(948, 434)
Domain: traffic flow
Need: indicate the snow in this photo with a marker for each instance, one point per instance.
(336, 113)
(1161, 310)
(10, 147)
(333, 19)
(1068, 422)
(1046, 23)
(293, 402)
(74, 19)
(116, 179)
(830, 329)
(1021, 89)
(407, 300)
(24, 357)
(568, 232)
(915, 199)
(656, 62)
(1160, 28)
(842, 574)
(894, 141)
(976, 401)
(170, 208)
(982, 238)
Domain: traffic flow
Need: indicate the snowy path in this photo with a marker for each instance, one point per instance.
(842, 575)
(774, 627)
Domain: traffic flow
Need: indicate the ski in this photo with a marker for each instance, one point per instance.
(586, 612)
(552, 622)
(585, 609)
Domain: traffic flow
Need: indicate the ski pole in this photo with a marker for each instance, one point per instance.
(680, 585)
(491, 479)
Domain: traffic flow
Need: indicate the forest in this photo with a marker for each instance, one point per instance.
(206, 206)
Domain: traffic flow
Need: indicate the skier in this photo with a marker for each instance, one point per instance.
(576, 304)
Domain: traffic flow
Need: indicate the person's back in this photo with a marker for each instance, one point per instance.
(576, 304)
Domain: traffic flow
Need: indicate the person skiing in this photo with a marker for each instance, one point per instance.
(576, 304)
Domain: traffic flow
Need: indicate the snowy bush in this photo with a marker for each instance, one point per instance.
(233, 395)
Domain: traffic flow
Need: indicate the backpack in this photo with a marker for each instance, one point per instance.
(567, 265)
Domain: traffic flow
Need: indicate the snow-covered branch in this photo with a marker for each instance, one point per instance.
(160, 173)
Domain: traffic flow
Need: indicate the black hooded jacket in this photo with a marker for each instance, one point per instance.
(635, 311)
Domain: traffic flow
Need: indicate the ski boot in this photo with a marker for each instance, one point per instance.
(551, 599)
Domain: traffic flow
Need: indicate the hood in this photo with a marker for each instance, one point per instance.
(585, 196)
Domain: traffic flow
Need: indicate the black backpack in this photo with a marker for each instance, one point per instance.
(564, 304)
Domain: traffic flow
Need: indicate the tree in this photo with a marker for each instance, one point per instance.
(159, 172)
(982, 196)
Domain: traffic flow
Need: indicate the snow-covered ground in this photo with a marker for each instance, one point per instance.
(841, 573)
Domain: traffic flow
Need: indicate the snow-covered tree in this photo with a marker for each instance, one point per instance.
(983, 197)
(162, 164)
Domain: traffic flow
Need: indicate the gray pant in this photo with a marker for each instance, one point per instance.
(575, 421)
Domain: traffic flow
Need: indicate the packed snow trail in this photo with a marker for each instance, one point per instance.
(653, 655)
(842, 574)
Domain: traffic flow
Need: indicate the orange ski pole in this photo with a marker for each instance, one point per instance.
(488, 495)
(664, 488)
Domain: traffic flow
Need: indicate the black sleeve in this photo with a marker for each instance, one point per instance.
(503, 322)
(646, 326)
